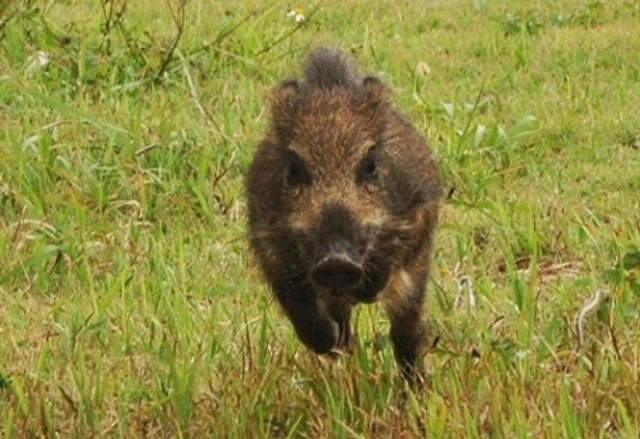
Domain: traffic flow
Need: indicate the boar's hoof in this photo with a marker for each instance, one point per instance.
(321, 337)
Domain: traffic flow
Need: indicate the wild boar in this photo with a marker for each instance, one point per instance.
(343, 197)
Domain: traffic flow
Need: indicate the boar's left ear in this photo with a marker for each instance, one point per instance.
(371, 81)
(376, 91)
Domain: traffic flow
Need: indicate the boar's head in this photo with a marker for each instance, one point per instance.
(339, 191)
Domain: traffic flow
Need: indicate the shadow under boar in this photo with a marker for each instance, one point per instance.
(343, 198)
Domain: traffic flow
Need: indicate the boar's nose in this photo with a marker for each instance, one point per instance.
(337, 270)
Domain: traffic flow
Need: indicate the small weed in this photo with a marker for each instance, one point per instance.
(514, 25)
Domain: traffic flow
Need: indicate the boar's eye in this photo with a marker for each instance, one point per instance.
(297, 173)
(368, 169)
(371, 167)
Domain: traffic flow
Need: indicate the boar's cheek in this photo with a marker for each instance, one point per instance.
(265, 187)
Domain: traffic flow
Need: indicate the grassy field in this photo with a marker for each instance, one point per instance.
(130, 306)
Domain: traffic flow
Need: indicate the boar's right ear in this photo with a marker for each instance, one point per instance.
(287, 89)
(283, 99)
(284, 105)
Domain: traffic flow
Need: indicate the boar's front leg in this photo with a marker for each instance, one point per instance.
(408, 330)
(341, 313)
(313, 326)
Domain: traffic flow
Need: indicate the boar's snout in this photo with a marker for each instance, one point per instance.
(337, 270)
(337, 265)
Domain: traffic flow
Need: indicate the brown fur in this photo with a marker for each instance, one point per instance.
(342, 177)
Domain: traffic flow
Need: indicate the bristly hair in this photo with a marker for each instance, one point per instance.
(327, 68)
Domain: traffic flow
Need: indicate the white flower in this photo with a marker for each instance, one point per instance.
(297, 15)
(37, 61)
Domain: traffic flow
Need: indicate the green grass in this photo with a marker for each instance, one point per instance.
(130, 306)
